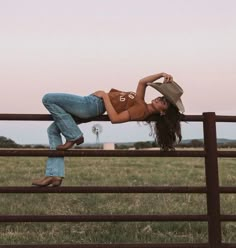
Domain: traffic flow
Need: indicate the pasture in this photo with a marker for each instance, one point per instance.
(102, 171)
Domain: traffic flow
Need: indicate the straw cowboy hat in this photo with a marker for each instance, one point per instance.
(172, 91)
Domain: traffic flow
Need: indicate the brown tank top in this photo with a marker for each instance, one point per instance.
(122, 101)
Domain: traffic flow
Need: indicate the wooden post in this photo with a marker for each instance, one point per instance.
(212, 180)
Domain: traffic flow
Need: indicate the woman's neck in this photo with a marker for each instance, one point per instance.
(151, 109)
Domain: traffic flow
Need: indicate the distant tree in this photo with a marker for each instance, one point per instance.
(140, 145)
(39, 146)
(227, 145)
(7, 143)
(231, 144)
(26, 146)
(196, 143)
(154, 144)
(121, 146)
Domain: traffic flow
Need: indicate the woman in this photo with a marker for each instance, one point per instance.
(120, 107)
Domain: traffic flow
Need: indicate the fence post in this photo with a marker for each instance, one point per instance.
(212, 179)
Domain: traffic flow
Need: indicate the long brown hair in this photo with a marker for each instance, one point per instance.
(167, 129)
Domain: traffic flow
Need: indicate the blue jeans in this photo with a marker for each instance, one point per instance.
(62, 108)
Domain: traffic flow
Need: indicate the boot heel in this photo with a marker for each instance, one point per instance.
(57, 183)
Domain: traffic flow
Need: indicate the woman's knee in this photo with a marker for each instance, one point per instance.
(47, 98)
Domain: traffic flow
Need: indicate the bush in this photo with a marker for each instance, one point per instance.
(7, 143)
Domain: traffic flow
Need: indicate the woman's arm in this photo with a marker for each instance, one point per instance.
(141, 88)
(113, 115)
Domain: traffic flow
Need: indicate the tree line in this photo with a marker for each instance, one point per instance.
(194, 143)
(9, 143)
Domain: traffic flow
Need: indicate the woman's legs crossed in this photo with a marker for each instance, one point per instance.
(62, 107)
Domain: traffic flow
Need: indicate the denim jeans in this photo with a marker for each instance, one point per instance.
(62, 107)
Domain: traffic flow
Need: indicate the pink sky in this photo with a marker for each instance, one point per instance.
(80, 46)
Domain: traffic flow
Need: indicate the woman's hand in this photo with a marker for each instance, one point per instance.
(113, 115)
(99, 93)
(167, 77)
(140, 91)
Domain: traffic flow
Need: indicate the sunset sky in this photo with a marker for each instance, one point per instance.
(79, 46)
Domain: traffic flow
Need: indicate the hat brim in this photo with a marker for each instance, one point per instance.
(159, 87)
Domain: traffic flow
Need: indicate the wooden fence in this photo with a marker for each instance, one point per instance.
(212, 190)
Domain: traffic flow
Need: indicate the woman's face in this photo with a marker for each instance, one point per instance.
(161, 104)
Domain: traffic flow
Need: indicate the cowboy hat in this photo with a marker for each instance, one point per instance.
(172, 91)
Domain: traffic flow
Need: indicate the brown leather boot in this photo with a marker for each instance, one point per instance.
(69, 144)
(46, 181)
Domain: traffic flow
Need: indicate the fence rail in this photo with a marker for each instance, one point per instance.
(46, 117)
(212, 190)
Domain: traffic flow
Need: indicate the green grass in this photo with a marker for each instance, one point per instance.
(112, 172)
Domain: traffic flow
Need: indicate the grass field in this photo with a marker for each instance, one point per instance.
(117, 172)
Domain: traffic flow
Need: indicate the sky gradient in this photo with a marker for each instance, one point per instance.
(78, 47)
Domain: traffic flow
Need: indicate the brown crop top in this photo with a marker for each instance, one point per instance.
(122, 101)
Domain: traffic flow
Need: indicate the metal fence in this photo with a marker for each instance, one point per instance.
(212, 190)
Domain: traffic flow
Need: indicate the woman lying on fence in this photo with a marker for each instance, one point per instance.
(120, 107)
